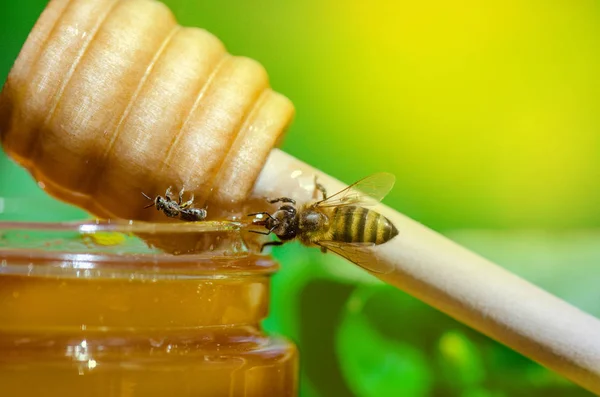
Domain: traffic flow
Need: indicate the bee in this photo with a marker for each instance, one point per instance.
(339, 223)
(176, 209)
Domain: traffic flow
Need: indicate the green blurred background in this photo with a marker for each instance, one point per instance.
(487, 112)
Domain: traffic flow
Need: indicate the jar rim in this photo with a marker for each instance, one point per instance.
(121, 248)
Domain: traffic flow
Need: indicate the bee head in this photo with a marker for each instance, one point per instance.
(282, 222)
(160, 203)
(285, 223)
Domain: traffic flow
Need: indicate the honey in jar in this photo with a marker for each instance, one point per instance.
(86, 310)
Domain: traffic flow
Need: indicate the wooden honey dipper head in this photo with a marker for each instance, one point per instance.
(109, 99)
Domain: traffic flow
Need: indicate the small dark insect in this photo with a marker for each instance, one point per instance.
(177, 209)
(339, 223)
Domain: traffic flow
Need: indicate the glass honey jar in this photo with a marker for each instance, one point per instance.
(91, 309)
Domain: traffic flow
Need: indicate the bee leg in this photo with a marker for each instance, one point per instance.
(264, 233)
(320, 188)
(271, 243)
(282, 200)
(188, 203)
(181, 195)
(168, 194)
(261, 213)
(257, 232)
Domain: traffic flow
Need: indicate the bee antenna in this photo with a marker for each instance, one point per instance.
(149, 198)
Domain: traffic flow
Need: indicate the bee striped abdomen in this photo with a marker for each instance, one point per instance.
(359, 225)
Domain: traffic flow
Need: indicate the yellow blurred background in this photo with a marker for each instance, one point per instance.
(487, 112)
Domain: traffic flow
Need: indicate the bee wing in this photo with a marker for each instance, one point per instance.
(367, 191)
(358, 253)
